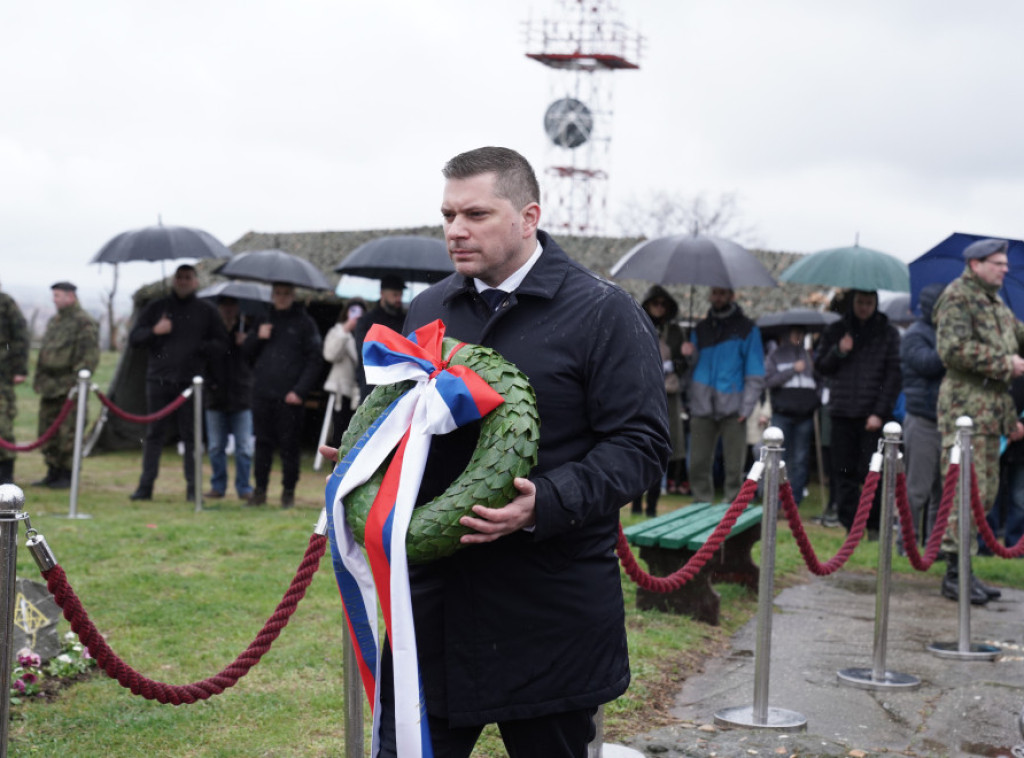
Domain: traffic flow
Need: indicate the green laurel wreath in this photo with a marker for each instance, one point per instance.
(507, 448)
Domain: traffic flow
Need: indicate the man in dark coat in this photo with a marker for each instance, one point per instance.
(922, 441)
(388, 312)
(178, 331)
(859, 356)
(285, 353)
(524, 626)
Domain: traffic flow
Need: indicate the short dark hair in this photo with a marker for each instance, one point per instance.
(515, 180)
(186, 267)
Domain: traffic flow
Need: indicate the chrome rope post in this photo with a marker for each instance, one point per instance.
(878, 677)
(962, 649)
(760, 716)
(12, 501)
(197, 443)
(318, 460)
(76, 461)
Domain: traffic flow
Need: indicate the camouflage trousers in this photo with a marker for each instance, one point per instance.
(8, 410)
(985, 456)
(59, 452)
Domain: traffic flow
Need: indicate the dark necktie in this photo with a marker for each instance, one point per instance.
(494, 298)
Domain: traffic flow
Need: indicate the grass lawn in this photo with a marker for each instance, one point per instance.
(179, 595)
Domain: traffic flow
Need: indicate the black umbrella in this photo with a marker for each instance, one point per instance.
(412, 258)
(808, 318)
(161, 243)
(252, 297)
(274, 266)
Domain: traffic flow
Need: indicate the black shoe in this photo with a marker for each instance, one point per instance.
(51, 474)
(190, 494)
(141, 494)
(991, 592)
(951, 588)
(258, 497)
(287, 498)
(213, 495)
(62, 480)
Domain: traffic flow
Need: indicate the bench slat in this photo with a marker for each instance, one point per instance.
(748, 518)
(649, 532)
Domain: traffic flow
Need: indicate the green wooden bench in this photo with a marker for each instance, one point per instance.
(667, 542)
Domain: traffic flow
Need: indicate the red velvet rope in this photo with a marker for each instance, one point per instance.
(166, 411)
(985, 530)
(58, 585)
(47, 435)
(931, 551)
(867, 495)
(693, 566)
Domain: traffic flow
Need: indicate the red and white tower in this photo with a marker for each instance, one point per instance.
(582, 45)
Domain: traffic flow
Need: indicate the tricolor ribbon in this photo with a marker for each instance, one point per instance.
(443, 399)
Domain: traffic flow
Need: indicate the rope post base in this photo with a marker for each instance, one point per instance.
(877, 677)
(759, 715)
(963, 649)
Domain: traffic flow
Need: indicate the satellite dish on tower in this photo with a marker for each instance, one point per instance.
(568, 122)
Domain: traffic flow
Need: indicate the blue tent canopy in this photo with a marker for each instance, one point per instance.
(945, 262)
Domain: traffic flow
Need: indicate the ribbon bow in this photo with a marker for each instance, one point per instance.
(443, 399)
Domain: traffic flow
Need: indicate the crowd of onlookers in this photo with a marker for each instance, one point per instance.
(726, 381)
(258, 373)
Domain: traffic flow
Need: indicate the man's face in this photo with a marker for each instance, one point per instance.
(991, 270)
(864, 304)
(185, 283)
(720, 297)
(391, 299)
(62, 299)
(282, 296)
(228, 310)
(488, 238)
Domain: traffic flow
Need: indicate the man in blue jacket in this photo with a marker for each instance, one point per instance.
(725, 385)
(524, 626)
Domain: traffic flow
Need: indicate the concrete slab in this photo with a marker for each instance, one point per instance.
(962, 708)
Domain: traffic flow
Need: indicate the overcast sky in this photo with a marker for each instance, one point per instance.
(897, 120)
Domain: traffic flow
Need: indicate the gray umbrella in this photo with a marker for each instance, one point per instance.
(693, 259)
(274, 266)
(161, 243)
(412, 258)
(808, 318)
(252, 297)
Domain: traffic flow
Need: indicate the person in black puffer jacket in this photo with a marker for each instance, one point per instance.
(859, 357)
(922, 442)
(285, 352)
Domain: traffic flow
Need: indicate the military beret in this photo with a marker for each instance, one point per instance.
(66, 286)
(984, 248)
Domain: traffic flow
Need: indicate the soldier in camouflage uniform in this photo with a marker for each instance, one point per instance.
(979, 340)
(71, 343)
(13, 370)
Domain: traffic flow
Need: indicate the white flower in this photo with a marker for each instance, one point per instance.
(70, 636)
(64, 658)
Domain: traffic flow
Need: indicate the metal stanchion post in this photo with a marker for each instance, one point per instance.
(878, 677)
(197, 441)
(962, 649)
(353, 700)
(318, 460)
(760, 716)
(12, 502)
(76, 461)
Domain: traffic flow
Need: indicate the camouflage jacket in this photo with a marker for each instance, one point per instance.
(977, 336)
(13, 340)
(71, 343)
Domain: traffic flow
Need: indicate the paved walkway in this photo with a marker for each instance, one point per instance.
(962, 708)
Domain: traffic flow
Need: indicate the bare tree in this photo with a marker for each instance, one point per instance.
(661, 213)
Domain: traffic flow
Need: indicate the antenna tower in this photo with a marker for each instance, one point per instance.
(582, 44)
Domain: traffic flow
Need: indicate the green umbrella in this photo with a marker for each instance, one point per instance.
(853, 267)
